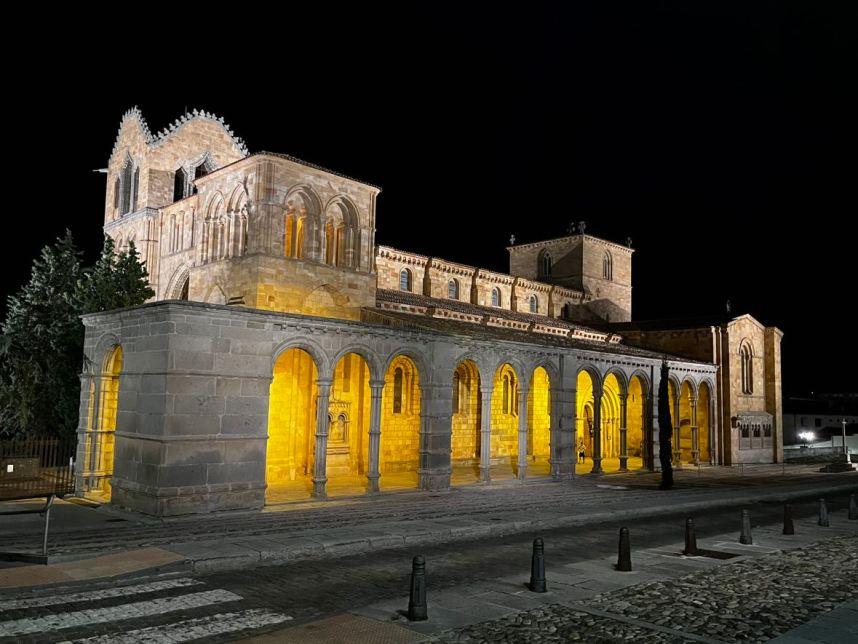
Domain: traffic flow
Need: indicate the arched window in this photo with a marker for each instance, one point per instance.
(747, 358)
(126, 179)
(397, 391)
(180, 181)
(496, 297)
(567, 311)
(200, 171)
(534, 304)
(117, 190)
(506, 393)
(405, 280)
(135, 188)
(608, 266)
(545, 264)
(453, 290)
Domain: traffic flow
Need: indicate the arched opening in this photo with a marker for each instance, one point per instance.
(704, 424)
(348, 437)
(291, 427)
(496, 297)
(584, 422)
(399, 456)
(330, 244)
(289, 235)
(467, 414)
(539, 424)
(453, 290)
(607, 266)
(534, 304)
(687, 426)
(746, 356)
(638, 436)
(611, 422)
(102, 449)
(180, 182)
(504, 423)
(545, 264)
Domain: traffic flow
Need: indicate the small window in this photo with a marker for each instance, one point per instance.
(746, 356)
(545, 264)
(496, 297)
(534, 304)
(405, 280)
(453, 290)
(179, 181)
(397, 391)
(117, 190)
(135, 188)
(607, 266)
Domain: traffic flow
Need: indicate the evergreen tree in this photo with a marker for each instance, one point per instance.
(41, 349)
(42, 346)
(665, 430)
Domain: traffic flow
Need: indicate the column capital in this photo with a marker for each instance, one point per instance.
(376, 384)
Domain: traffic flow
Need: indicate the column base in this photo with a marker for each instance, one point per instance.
(522, 473)
(372, 484)
(624, 463)
(319, 491)
(695, 458)
(485, 475)
(597, 467)
(429, 481)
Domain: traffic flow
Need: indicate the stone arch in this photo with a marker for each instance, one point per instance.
(101, 446)
(705, 400)
(100, 355)
(419, 359)
(178, 284)
(620, 376)
(303, 205)
(308, 346)
(539, 437)
(365, 352)
(325, 301)
(639, 439)
(466, 420)
(400, 423)
(216, 206)
(517, 366)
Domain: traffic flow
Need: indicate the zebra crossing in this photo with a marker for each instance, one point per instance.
(169, 610)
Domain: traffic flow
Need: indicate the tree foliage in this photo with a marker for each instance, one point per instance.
(665, 430)
(41, 348)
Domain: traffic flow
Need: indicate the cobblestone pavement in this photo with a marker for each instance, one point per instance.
(497, 502)
(752, 600)
(223, 606)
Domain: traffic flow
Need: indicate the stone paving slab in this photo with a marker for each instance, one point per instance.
(836, 627)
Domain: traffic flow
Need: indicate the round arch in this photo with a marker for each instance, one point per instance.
(365, 352)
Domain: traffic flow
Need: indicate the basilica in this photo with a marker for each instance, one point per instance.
(287, 355)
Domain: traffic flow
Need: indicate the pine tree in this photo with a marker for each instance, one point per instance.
(42, 346)
(41, 349)
(665, 430)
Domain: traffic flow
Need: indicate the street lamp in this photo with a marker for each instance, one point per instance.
(807, 437)
(845, 451)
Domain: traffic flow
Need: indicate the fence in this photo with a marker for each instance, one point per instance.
(36, 467)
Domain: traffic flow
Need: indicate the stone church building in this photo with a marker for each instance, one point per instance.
(287, 355)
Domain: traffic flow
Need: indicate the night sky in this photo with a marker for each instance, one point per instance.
(720, 137)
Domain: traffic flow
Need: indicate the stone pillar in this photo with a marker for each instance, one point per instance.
(522, 434)
(486, 435)
(624, 448)
(647, 434)
(597, 430)
(436, 424)
(562, 433)
(375, 388)
(695, 444)
(320, 456)
(677, 424)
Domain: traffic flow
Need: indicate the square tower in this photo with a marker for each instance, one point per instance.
(600, 268)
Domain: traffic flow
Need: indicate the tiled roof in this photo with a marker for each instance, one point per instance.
(484, 332)
(415, 299)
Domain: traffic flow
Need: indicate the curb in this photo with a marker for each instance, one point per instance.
(251, 552)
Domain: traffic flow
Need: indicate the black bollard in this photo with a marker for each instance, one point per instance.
(746, 537)
(624, 557)
(417, 598)
(537, 568)
(823, 514)
(853, 508)
(690, 539)
(789, 528)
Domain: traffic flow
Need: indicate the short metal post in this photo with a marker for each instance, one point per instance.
(624, 556)
(47, 513)
(789, 528)
(823, 514)
(690, 539)
(745, 537)
(417, 598)
(537, 567)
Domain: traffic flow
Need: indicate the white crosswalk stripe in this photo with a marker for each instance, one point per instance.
(190, 629)
(96, 595)
(134, 610)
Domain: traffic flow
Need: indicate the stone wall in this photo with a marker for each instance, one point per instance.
(192, 425)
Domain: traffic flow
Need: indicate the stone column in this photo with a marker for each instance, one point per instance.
(435, 434)
(486, 435)
(320, 456)
(562, 434)
(522, 434)
(624, 448)
(375, 388)
(695, 445)
(677, 424)
(646, 433)
(597, 430)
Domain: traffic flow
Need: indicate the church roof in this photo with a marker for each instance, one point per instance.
(669, 324)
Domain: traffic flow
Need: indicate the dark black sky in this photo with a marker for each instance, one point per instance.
(721, 137)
